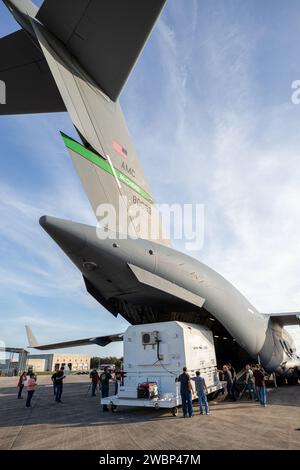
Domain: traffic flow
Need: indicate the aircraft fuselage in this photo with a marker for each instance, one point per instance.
(129, 275)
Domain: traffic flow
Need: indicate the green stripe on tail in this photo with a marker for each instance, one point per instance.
(104, 165)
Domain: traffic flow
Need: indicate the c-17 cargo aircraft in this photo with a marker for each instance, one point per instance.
(76, 56)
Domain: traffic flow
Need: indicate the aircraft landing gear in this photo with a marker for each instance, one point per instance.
(293, 380)
(280, 380)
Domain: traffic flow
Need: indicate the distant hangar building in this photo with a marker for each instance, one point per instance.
(50, 362)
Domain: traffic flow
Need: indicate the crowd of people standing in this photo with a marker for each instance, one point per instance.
(187, 391)
(103, 379)
(29, 381)
(253, 384)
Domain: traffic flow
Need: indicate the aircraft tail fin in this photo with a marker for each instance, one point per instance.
(32, 341)
(79, 60)
(107, 162)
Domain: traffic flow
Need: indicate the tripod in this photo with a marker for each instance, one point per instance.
(96, 389)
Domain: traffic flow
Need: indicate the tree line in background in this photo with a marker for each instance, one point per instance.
(97, 361)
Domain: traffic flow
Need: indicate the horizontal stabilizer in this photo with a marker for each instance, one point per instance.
(161, 284)
(100, 340)
(105, 37)
(29, 85)
(285, 319)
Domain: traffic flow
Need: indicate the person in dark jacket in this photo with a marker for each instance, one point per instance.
(259, 377)
(118, 379)
(58, 378)
(53, 378)
(229, 381)
(95, 380)
(234, 378)
(186, 390)
(104, 383)
(21, 383)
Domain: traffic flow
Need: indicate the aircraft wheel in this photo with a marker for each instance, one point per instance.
(280, 380)
(175, 411)
(292, 380)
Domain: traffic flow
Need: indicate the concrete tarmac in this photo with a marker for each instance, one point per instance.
(79, 423)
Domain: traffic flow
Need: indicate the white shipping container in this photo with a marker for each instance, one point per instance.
(157, 352)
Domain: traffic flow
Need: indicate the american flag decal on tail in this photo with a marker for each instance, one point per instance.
(119, 149)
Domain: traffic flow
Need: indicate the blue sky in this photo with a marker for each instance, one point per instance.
(210, 112)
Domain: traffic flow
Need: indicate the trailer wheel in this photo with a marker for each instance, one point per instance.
(113, 408)
(175, 411)
(214, 395)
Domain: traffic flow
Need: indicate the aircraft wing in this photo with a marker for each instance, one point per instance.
(100, 340)
(285, 319)
(105, 37)
(30, 87)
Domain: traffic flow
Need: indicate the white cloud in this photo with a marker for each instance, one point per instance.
(215, 144)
